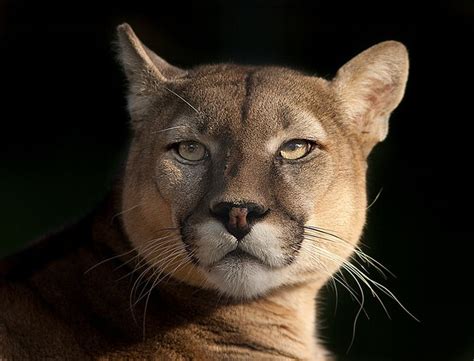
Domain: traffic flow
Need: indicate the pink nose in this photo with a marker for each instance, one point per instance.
(238, 218)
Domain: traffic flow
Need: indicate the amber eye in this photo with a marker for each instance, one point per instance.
(295, 149)
(192, 151)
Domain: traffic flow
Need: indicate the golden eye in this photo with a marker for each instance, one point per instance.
(295, 149)
(192, 151)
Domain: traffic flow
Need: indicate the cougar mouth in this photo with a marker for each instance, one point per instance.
(239, 257)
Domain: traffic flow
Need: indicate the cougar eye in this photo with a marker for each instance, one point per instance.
(295, 149)
(192, 151)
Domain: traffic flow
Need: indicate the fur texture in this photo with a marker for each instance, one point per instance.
(215, 296)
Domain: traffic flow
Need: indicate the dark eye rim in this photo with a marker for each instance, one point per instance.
(174, 147)
(312, 146)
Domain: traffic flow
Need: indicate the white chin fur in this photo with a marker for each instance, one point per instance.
(243, 279)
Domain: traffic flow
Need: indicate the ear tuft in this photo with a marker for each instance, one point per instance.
(370, 87)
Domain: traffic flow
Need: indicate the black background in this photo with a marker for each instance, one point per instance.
(64, 133)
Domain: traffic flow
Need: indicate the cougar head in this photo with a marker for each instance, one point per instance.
(244, 179)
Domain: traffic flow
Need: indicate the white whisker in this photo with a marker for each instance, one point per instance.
(147, 247)
(184, 100)
(357, 250)
(170, 128)
(143, 262)
(356, 273)
(156, 282)
(108, 259)
(125, 211)
(375, 199)
(169, 254)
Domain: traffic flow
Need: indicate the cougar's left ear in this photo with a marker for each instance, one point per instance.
(370, 86)
(148, 74)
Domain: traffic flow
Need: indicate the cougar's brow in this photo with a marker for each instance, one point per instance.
(249, 85)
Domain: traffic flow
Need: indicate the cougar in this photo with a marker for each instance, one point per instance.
(243, 193)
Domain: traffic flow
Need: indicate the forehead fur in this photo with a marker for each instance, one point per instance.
(257, 102)
(248, 95)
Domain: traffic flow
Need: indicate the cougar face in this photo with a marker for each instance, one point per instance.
(244, 179)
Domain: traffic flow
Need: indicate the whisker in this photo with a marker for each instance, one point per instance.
(142, 257)
(134, 249)
(365, 257)
(169, 254)
(155, 283)
(392, 296)
(125, 211)
(170, 128)
(109, 259)
(147, 246)
(132, 291)
(336, 294)
(184, 100)
(361, 302)
(370, 261)
(356, 318)
(354, 271)
(375, 199)
(148, 267)
(358, 252)
(338, 244)
(343, 282)
(357, 275)
(150, 263)
(325, 231)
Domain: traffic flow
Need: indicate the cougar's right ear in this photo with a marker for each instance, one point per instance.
(148, 74)
(139, 62)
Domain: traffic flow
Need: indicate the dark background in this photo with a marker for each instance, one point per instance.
(64, 133)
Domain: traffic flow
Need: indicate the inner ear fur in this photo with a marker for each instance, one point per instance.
(370, 87)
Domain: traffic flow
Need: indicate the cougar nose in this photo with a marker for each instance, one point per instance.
(238, 217)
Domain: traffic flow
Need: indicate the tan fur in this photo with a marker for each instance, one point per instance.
(59, 300)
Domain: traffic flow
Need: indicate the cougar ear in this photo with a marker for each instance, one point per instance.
(139, 62)
(370, 87)
(148, 74)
